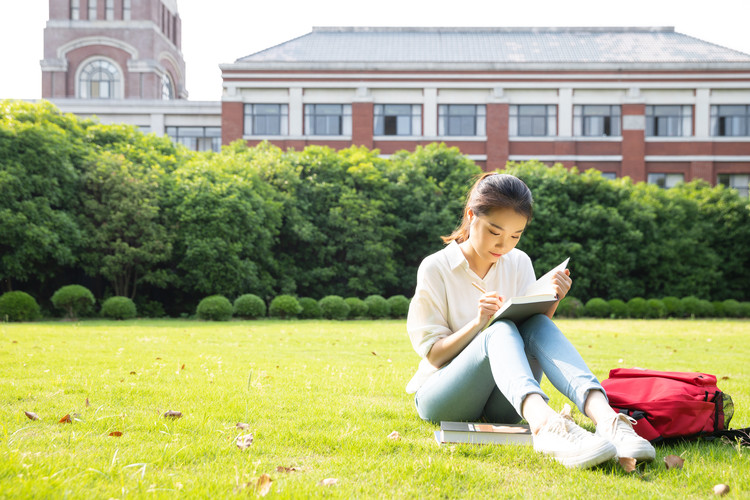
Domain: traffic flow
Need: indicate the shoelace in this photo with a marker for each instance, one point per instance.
(565, 427)
(620, 425)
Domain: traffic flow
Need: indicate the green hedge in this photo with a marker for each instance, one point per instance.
(18, 306)
(214, 308)
(119, 308)
(249, 306)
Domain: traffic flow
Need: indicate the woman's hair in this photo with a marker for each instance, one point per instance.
(492, 191)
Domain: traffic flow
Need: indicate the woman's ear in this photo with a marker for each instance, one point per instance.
(470, 214)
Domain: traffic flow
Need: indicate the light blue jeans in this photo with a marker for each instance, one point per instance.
(500, 367)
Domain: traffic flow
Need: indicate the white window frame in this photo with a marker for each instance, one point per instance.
(314, 112)
(519, 112)
(82, 91)
(450, 117)
(585, 119)
(669, 120)
(383, 113)
(252, 114)
(665, 180)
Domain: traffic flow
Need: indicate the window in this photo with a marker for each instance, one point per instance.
(99, 79)
(730, 121)
(669, 121)
(596, 121)
(75, 9)
(110, 10)
(462, 119)
(126, 10)
(665, 180)
(266, 119)
(92, 10)
(533, 120)
(397, 119)
(328, 119)
(740, 182)
(197, 138)
(609, 175)
(167, 88)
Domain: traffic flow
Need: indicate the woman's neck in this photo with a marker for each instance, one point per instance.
(480, 266)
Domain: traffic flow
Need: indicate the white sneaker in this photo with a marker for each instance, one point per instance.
(619, 431)
(571, 445)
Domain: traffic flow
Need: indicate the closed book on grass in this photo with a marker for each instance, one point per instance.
(537, 300)
(481, 433)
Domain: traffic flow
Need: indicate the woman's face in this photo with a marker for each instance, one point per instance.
(493, 235)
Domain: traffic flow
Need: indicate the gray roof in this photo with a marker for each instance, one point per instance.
(495, 47)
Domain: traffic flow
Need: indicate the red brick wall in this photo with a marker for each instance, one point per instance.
(497, 136)
(232, 121)
(362, 124)
(634, 146)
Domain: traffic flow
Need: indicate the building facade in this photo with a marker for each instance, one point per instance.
(648, 103)
(121, 62)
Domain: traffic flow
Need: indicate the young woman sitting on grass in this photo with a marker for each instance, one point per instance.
(469, 371)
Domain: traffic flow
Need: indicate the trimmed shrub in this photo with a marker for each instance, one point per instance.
(74, 300)
(718, 309)
(597, 308)
(732, 308)
(570, 307)
(637, 307)
(284, 306)
(744, 309)
(656, 309)
(399, 306)
(697, 308)
(618, 308)
(334, 307)
(215, 308)
(150, 309)
(310, 308)
(357, 307)
(249, 306)
(119, 307)
(18, 306)
(674, 306)
(705, 309)
(377, 307)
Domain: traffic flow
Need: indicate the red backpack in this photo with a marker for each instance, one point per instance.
(669, 404)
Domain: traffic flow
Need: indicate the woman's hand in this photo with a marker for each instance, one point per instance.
(561, 283)
(489, 304)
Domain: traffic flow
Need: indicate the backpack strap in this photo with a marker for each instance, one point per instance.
(742, 435)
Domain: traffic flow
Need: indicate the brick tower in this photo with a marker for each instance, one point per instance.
(113, 49)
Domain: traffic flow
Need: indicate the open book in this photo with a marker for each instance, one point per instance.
(538, 299)
(480, 433)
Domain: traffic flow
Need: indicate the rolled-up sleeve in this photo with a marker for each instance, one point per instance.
(426, 322)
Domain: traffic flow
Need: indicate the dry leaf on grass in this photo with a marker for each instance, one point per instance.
(132, 373)
(394, 435)
(673, 462)
(721, 489)
(87, 403)
(242, 425)
(183, 366)
(263, 485)
(627, 463)
(115, 433)
(244, 442)
(329, 481)
(725, 377)
(281, 468)
(66, 420)
(173, 414)
(374, 353)
(31, 415)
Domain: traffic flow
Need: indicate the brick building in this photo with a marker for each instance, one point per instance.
(649, 103)
(121, 61)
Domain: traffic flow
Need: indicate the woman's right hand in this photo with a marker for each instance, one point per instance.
(489, 304)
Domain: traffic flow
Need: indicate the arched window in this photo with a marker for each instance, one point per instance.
(99, 79)
(167, 88)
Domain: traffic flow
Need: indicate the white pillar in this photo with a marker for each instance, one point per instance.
(430, 110)
(565, 112)
(702, 113)
(296, 112)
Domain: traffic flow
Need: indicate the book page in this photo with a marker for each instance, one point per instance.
(543, 286)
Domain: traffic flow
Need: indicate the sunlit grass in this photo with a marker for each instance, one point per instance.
(321, 398)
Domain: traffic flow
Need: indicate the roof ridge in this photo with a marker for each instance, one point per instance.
(490, 29)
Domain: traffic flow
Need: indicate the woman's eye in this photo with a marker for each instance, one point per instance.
(493, 233)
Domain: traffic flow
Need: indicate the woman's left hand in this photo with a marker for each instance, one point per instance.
(561, 283)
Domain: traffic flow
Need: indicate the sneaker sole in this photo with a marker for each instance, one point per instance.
(590, 458)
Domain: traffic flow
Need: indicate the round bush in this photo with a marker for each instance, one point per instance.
(119, 308)
(377, 307)
(718, 309)
(18, 306)
(732, 308)
(705, 309)
(597, 308)
(214, 308)
(674, 306)
(637, 307)
(656, 309)
(334, 307)
(310, 308)
(357, 307)
(690, 306)
(570, 307)
(399, 306)
(618, 308)
(744, 310)
(249, 306)
(74, 300)
(284, 306)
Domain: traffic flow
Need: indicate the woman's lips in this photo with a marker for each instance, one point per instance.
(496, 254)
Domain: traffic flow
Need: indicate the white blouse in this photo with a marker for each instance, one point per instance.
(445, 300)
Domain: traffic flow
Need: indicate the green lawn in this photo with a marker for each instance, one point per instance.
(322, 399)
